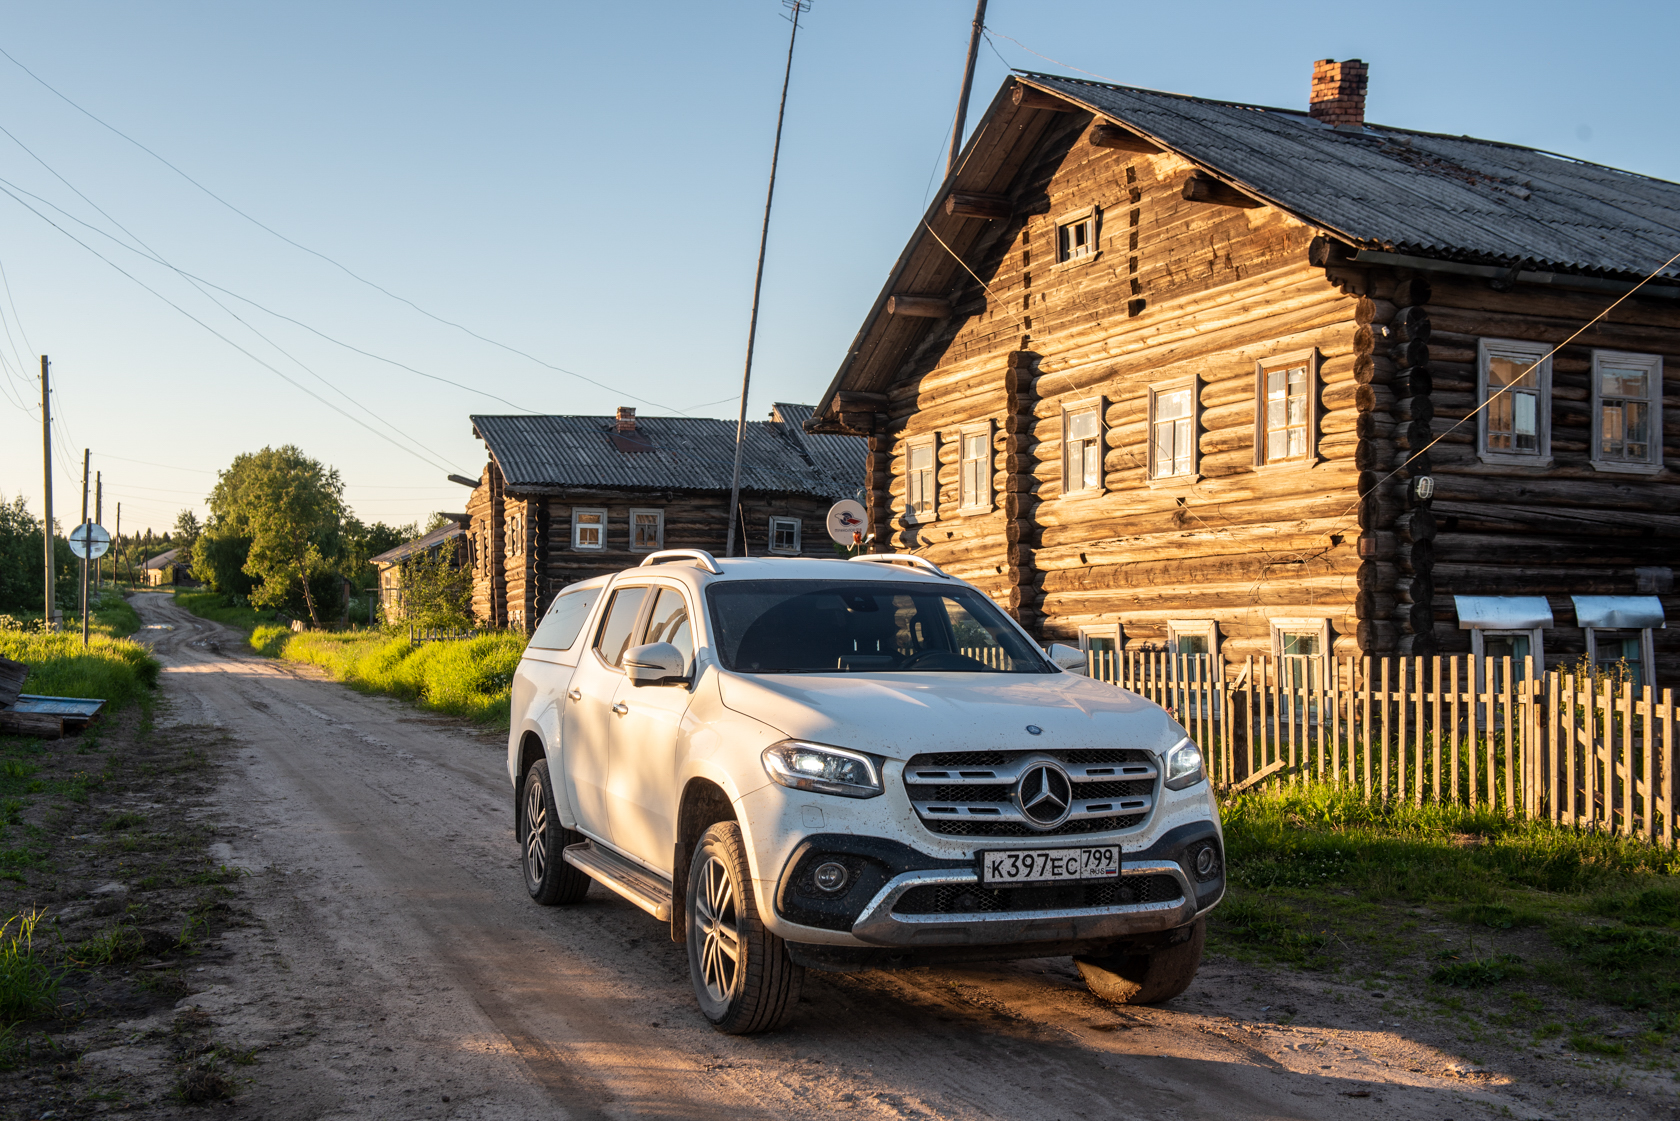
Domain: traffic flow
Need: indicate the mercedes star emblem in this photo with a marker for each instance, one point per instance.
(1044, 795)
(1034, 730)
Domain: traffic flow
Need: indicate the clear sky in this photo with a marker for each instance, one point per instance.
(584, 182)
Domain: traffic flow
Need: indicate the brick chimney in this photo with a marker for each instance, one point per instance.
(1338, 93)
(626, 419)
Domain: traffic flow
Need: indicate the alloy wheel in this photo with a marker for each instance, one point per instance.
(536, 831)
(720, 931)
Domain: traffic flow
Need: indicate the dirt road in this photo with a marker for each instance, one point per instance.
(397, 969)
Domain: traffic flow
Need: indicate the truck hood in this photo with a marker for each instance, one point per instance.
(904, 714)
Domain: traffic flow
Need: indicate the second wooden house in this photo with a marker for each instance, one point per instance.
(564, 498)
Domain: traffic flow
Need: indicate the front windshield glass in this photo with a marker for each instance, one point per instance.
(836, 626)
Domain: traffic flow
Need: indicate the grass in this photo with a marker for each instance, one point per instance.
(111, 616)
(470, 678)
(1322, 879)
(28, 985)
(219, 608)
(118, 669)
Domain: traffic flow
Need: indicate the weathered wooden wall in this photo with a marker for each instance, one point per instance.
(486, 548)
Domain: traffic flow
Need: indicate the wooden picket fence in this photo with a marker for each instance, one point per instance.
(1581, 750)
(418, 636)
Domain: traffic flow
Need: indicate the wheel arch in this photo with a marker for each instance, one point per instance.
(703, 804)
(530, 750)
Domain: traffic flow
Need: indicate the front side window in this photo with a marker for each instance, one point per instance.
(1516, 387)
(669, 622)
(1627, 407)
(617, 629)
(977, 468)
(566, 616)
(1172, 432)
(921, 486)
(647, 530)
(1286, 412)
(832, 626)
(589, 529)
(1084, 450)
(784, 535)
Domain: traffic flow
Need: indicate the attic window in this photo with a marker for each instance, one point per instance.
(1076, 235)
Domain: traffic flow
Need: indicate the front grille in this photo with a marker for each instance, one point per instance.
(968, 899)
(969, 793)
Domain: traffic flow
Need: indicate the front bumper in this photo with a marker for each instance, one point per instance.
(901, 898)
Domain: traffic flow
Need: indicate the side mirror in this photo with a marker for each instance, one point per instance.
(1070, 658)
(657, 663)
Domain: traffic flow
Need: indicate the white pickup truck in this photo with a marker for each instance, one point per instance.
(819, 764)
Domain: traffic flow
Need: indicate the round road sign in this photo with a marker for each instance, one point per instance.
(90, 541)
(846, 521)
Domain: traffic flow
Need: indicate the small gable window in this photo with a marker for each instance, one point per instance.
(1076, 235)
(977, 468)
(921, 485)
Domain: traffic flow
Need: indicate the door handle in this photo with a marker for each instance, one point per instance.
(575, 694)
(621, 708)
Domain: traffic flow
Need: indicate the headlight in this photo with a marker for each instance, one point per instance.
(826, 770)
(1184, 765)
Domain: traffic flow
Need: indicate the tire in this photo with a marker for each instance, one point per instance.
(1146, 978)
(549, 879)
(743, 978)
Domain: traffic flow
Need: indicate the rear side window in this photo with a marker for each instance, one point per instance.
(559, 628)
(620, 624)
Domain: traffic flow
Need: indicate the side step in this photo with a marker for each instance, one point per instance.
(647, 890)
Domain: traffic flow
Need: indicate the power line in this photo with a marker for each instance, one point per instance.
(316, 253)
(266, 365)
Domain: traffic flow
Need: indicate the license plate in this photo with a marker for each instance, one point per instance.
(1101, 862)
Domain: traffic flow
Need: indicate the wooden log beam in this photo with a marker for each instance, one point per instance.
(1107, 135)
(922, 307)
(42, 724)
(960, 204)
(1201, 187)
(855, 399)
(1026, 97)
(11, 680)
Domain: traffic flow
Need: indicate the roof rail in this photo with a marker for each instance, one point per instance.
(909, 559)
(700, 556)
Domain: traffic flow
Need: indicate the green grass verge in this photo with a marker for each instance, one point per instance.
(1453, 897)
(111, 616)
(219, 608)
(118, 669)
(470, 678)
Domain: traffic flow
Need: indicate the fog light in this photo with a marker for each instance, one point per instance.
(1205, 861)
(831, 876)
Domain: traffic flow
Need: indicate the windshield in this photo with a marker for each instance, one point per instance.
(832, 626)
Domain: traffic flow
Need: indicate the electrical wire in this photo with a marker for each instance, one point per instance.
(266, 365)
(322, 256)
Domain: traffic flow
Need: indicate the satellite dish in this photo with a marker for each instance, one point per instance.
(89, 541)
(847, 521)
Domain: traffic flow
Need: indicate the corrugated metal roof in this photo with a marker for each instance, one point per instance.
(164, 560)
(425, 541)
(539, 453)
(1412, 192)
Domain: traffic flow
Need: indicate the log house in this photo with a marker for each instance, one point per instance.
(565, 498)
(1163, 372)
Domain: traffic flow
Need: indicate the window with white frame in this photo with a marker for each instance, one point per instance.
(589, 529)
(1301, 647)
(1525, 648)
(1627, 412)
(647, 530)
(784, 535)
(1105, 641)
(1514, 382)
(976, 464)
(1197, 638)
(1172, 430)
(1082, 459)
(1621, 652)
(1284, 422)
(1076, 235)
(921, 480)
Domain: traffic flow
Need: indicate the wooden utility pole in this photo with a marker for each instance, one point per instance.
(116, 557)
(87, 540)
(99, 519)
(797, 6)
(46, 461)
(967, 85)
